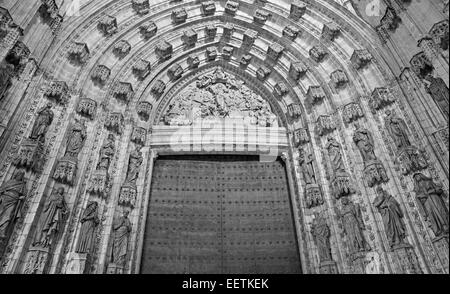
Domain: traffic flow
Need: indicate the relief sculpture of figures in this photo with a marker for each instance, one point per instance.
(392, 216)
(121, 234)
(340, 178)
(374, 172)
(313, 192)
(12, 196)
(430, 198)
(397, 130)
(76, 138)
(89, 223)
(54, 217)
(353, 226)
(43, 121)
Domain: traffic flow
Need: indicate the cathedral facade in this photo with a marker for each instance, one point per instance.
(231, 136)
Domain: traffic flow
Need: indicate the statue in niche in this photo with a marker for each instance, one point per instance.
(334, 151)
(76, 138)
(397, 129)
(366, 145)
(43, 121)
(430, 198)
(53, 220)
(353, 226)
(437, 88)
(12, 196)
(107, 153)
(321, 235)
(122, 230)
(307, 166)
(89, 223)
(392, 216)
(6, 73)
(134, 165)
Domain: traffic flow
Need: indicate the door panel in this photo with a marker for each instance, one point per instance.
(219, 215)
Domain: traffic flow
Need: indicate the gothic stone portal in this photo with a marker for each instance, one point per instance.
(221, 215)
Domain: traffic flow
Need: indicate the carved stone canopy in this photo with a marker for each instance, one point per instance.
(298, 9)
(208, 8)
(148, 29)
(316, 94)
(317, 53)
(291, 32)
(297, 70)
(231, 7)
(219, 96)
(141, 6)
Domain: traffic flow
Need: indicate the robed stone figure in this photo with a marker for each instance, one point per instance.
(106, 153)
(134, 165)
(439, 91)
(122, 229)
(366, 145)
(6, 73)
(306, 162)
(334, 152)
(353, 226)
(392, 216)
(321, 236)
(12, 195)
(43, 120)
(430, 198)
(76, 139)
(397, 129)
(54, 216)
(89, 223)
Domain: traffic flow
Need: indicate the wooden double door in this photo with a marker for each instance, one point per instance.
(219, 215)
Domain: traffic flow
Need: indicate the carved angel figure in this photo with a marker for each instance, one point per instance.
(43, 120)
(89, 223)
(353, 226)
(77, 136)
(392, 216)
(366, 145)
(12, 195)
(307, 166)
(431, 203)
(53, 220)
(397, 129)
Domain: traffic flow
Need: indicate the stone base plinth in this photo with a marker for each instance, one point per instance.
(328, 267)
(358, 261)
(406, 259)
(441, 245)
(78, 264)
(36, 260)
(114, 269)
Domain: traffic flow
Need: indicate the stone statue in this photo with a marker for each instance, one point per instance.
(392, 216)
(76, 138)
(54, 215)
(134, 165)
(353, 226)
(397, 129)
(321, 235)
(366, 145)
(307, 166)
(430, 199)
(122, 229)
(12, 195)
(106, 153)
(42, 123)
(6, 72)
(334, 151)
(89, 222)
(439, 91)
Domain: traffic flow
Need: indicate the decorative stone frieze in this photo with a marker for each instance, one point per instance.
(148, 30)
(325, 124)
(115, 123)
(298, 9)
(78, 53)
(361, 58)
(142, 69)
(108, 25)
(100, 75)
(318, 53)
(164, 50)
(58, 91)
(208, 8)
(142, 7)
(179, 15)
(380, 98)
(121, 49)
(123, 92)
(291, 32)
(87, 107)
(315, 94)
(263, 72)
(297, 70)
(144, 110)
